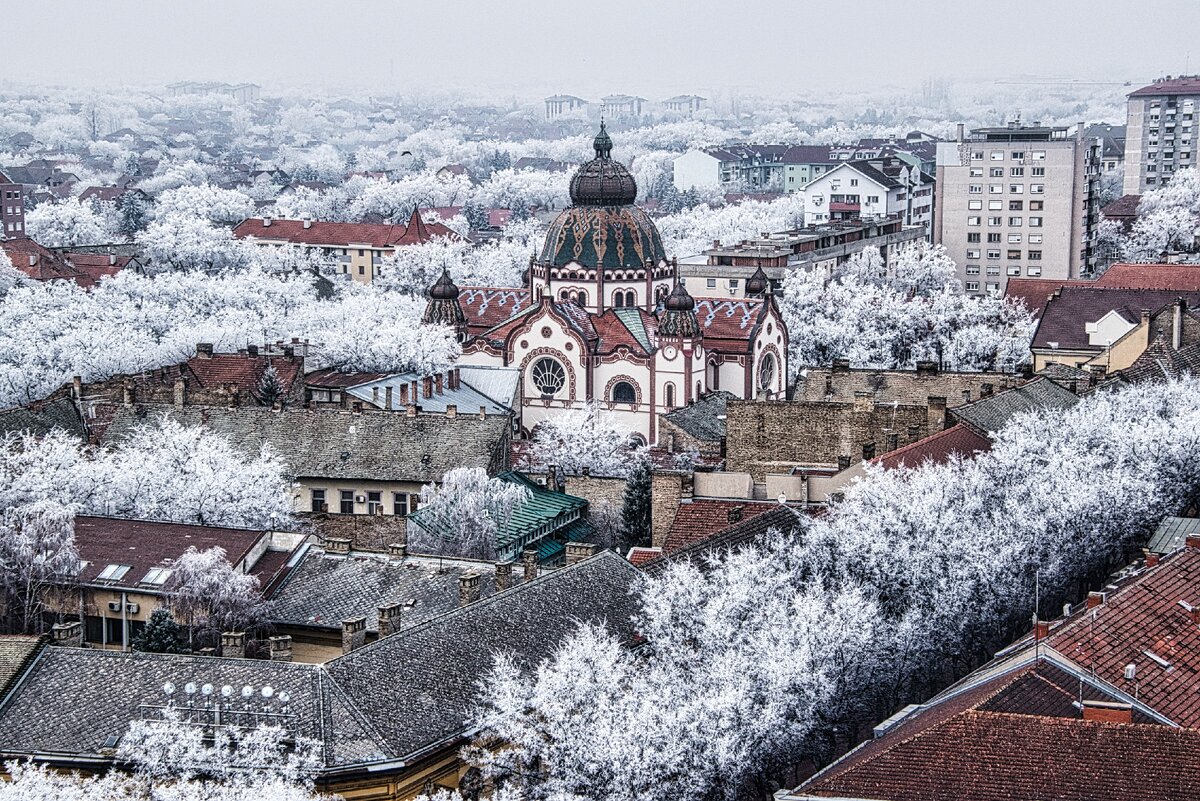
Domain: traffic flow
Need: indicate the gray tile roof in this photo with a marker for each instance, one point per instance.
(1171, 532)
(379, 445)
(433, 671)
(40, 418)
(704, 419)
(783, 519)
(494, 388)
(322, 590)
(16, 652)
(395, 698)
(989, 415)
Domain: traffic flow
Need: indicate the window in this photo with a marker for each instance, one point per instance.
(977, 172)
(1014, 270)
(1014, 255)
(1036, 205)
(670, 391)
(766, 373)
(1039, 155)
(997, 155)
(362, 270)
(347, 502)
(973, 237)
(1035, 239)
(1016, 189)
(360, 252)
(1033, 271)
(114, 572)
(711, 283)
(974, 205)
(973, 254)
(1014, 239)
(157, 576)
(1037, 172)
(975, 189)
(1018, 155)
(872, 198)
(548, 376)
(976, 155)
(1035, 255)
(623, 392)
(993, 287)
(995, 189)
(993, 269)
(1016, 205)
(972, 286)
(318, 500)
(400, 504)
(972, 269)
(974, 220)
(374, 503)
(1035, 222)
(993, 254)
(995, 222)
(854, 182)
(1037, 189)
(996, 172)
(1014, 222)
(733, 283)
(993, 239)
(995, 205)
(581, 298)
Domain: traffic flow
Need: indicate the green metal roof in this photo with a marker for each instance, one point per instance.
(1171, 532)
(632, 319)
(550, 548)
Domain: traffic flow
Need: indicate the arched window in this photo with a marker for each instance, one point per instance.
(714, 381)
(548, 376)
(581, 298)
(631, 298)
(618, 299)
(766, 373)
(623, 392)
(660, 295)
(698, 391)
(670, 389)
(564, 295)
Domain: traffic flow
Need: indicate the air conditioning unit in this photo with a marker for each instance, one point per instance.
(114, 606)
(132, 608)
(360, 498)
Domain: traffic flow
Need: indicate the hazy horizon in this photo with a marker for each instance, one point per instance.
(619, 46)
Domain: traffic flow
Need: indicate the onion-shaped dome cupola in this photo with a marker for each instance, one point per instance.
(678, 317)
(758, 284)
(443, 308)
(602, 181)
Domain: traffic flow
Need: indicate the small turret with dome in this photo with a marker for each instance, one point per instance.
(678, 318)
(758, 284)
(443, 307)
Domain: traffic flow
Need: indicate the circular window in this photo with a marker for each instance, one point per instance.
(548, 376)
(766, 372)
(546, 332)
(623, 392)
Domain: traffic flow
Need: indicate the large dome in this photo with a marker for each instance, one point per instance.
(602, 227)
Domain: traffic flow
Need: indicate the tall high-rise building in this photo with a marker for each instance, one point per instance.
(1160, 132)
(1018, 201)
(12, 209)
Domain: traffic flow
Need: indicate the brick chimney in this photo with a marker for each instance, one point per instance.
(1151, 558)
(578, 551)
(1095, 599)
(552, 478)
(452, 378)
(280, 648)
(437, 383)
(180, 396)
(936, 413)
(387, 397)
(427, 387)
(233, 644)
(482, 412)
(410, 410)
(69, 635)
(204, 350)
(843, 462)
(389, 618)
(529, 560)
(127, 392)
(927, 368)
(451, 410)
(1107, 711)
(1041, 629)
(734, 515)
(1192, 541)
(337, 545)
(354, 634)
(504, 576)
(841, 366)
(468, 588)
(252, 351)
(398, 550)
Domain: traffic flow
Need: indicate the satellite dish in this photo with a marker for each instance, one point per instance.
(169, 688)
(190, 688)
(226, 691)
(247, 691)
(207, 689)
(267, 691)
(284, 697)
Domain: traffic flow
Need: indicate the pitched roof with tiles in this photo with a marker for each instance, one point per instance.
(382, 446)
(734, 319)
(343, 235)
(40, 263)
(16, 654)
(1177, 277)
(1161, 362)
(1066, 315)
(1124, 207)
(991, 414)
(703, 419)
(716, 534)
(488, 307)
(957, 440)
(1183, 85)
(42, 417)
(1035, 292)
(699, 519)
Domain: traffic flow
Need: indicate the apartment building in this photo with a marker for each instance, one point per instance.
(12, 209)
(725, 270)
(865, 189)
(1160, 132)
(1018, 201)
(558, 105)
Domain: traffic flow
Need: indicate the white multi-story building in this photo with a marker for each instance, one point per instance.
(870, 189)
(1160, 132)
(1018, 201)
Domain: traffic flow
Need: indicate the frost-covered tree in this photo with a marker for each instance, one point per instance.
(269, 388)
(161, 634)
(209, 596)
(10, 276)
(476, 215)
(581, 438)
(133, 213)
(38, 562)
(184, 242)
(1168, 218)
(65, 224)
(464, 514)
(206, 202)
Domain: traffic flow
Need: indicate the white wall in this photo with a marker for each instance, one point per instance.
(696, 169)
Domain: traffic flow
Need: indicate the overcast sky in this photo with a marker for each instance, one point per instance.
(592, 47)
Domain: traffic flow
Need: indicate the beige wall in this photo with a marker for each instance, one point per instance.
(303, 487)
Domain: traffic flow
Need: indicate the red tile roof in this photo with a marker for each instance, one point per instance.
(96, 266)
(699, 519)
(38, 262)
(1179, 277)
(1184, 84)
(1123, 208)
(143, 544)
(241, 370)
(344, 235)
(333, 378)
(728, 319)
(1144, 624)
(957, 440)
(640, 556)
(1034, 292)
(487, 307)
(993, 756)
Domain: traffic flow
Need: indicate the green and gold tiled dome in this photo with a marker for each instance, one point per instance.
(602, 227)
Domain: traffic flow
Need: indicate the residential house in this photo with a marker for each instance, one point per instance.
(857, 190)
(358, 248)
(1161, 130)
(737, 166)
(542, 163)
(621, 108)
(684, 104)
(725, 527)
(1112, 145)
(391, 716)
(802, 164)
(558, 105)
(348, 463)
(699, 426)
(1123, 210)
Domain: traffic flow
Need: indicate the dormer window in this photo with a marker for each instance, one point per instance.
(114, 572)
(157, 576)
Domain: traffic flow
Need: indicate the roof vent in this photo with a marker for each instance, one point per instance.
(1130, 672)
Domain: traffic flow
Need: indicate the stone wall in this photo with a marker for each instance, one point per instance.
(840, 384)
(667, 489)
(673, 438)
(773, 437)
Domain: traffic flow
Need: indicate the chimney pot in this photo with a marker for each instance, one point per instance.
(389, 619)
(280, 648)
(1192, 541)
(354, 634)
(1041, 629)
(233, 644)
(529, 561)
(1151, 558)
(398, 550)
(338, 545)
(468, 588)
(451, 410)
(1095, 599)
(504, 576)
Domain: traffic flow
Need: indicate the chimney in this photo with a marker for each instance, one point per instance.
(77, 386)
(716, 244)
(670, 442)
(1151, 558)
(578, 551)
(252, 351)
(399, 550)
(410, 410)
(356, 406)
(843, 462)
(452, 378)
(841, 366)
(927, 368)
(451, 410)
(427, 386)
(1095, 599)
(204, 350)
(936, 413)
(127, 392)
(266, 222)
(1041, 629)
(280, 648)
(529, 560)
(1177, 323)
(389, 619)
(1192, 542)
(482, 412)
(1107, 711)
(354, 634)
(437, 383)
(552, 478)
(387, 398)
(504, 575)
(864, 401)
(468, 588)
(69, 635)
(337, 545)
(961, 133)
(375, 395)
(33, 260)
(735, 514)
(233, 644)
(986, 390)
(180, 391)
(1193, 612)
(112, 259)
(307, 223)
